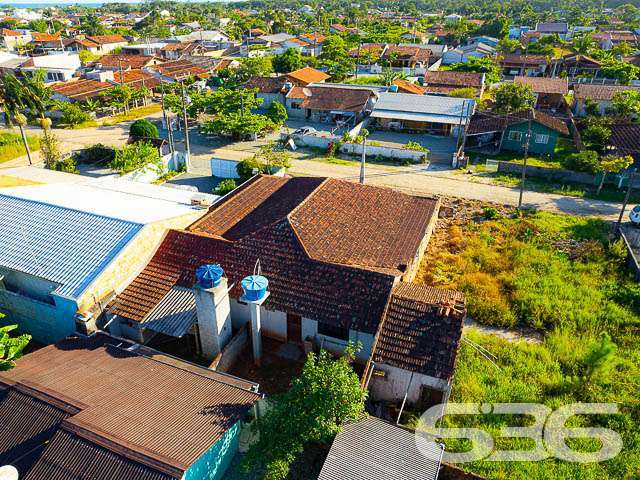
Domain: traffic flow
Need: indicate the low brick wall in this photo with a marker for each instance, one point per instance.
(553, 174)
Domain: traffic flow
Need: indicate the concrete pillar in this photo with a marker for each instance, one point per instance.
(256, 328)
(214, 318)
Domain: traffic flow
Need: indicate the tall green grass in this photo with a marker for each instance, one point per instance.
(11, 146)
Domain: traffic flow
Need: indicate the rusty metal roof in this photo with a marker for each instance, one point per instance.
(128, 402)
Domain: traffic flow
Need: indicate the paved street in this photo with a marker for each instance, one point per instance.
(432, 180)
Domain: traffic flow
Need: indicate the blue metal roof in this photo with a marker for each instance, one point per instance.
(65, 246)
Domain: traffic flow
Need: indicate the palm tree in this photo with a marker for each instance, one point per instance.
(91, 104)
(389, 76)
(13, 93)
(37, 97)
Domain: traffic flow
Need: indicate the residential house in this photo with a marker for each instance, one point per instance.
(368, 53)
(486, 39)
(429, 114)
(515, 33)
(515, 64)
(313, 42)
(510, 132)
(102, 407)
(415, 37)
(330, 103)
(10, 62)
(80, 90)
(444, 82)
(464, 53)
(13, 40)
(272, 89)
(553, 28)
(46, 42)
(123, 62)
(375, 449)
(79, 43)
(108, 43)
(135, 78)
(177, 70)
(405, 86)
(452, 18)
(550, 92)
(575, 65)
(175, 51)
(148, 49)
(327, 286)
(406, 56)
(607, 40)
(601, 95)
(625, 140)
(67, 247)
(211, 39)
(58, 66)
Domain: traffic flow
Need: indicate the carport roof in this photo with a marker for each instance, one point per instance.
(423, 108)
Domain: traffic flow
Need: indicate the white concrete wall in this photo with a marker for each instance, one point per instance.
(273, 323)
(393, 386)
(335, 345)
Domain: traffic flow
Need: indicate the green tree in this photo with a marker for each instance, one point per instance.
(289, 61)
(72, 114)
(584, 161)
(613, 164)
(320, 400)
(277, 113)
(597, 132)
(388, 76)
(514, 97)
(335, 57)
(135, 156)
(485, 65)
(464, 92)
(50, 148)
(118, 97)
(249, 67)
(90, 24)
(11, 348)
(225, 186)
(507, 45)
(143, 128)
(86, 56)
(626, 103)
(623, 71)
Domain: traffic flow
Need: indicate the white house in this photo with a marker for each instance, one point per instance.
(464, 53)
(58, 66)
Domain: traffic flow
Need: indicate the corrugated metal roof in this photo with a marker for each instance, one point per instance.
(374, 449)
(64, 246)
(174, 314)
(69, 456)
(428, 108)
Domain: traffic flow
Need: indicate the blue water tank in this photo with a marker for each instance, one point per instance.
(393, 88)
(254, 287)
(209, 276)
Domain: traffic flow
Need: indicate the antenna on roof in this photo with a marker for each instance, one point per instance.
(257, 270)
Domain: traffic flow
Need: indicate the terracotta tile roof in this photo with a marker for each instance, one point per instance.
(5, 32)
(485, 123)
(133, 403)
(312, 38)
(616, 36)
(336, 98)
(374, 48)
(339, 27)
(267, 84)
(422, 330)
(85, 42)
(326, 257)
(297, 93)
(180, 69)
(38, 37)
(136, 78)
(408, 53)
(517, 60)
(125, 61)
(297, 41)
(558, 86)
(81, 89)
(453, 79)
(600, 92)
(68, 455)
(171, 47)
(107, 39)
(626, 138)
(405, 86)
(308, 75)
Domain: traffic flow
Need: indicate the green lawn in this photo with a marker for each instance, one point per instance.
(563, 148)
(132, 114)
(366, 80)
(11, 146)
(560, 275)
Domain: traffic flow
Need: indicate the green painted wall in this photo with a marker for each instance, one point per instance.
(534, 147)
(213, 464)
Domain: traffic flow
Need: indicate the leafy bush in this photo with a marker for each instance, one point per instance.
(135, 156)
(143, 129)
(95, 154)
(490, 213)
(67, 165)
(585, 161)
(277, 113)
(73, 114)
(225, 186)
(415, 146)
(249, 167)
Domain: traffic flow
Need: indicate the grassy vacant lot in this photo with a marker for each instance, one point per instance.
(132, 114)
(11, 146)
(562, 276)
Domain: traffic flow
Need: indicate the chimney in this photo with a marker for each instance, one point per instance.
(213, 309)
(255, 293)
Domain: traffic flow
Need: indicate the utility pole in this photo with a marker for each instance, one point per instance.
(363, 159)
(186, 127)
(526, 153)
(167, 122)
(626, 199)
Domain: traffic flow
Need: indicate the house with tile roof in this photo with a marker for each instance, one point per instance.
(68, 248)
(444, 82)
(549, 92)
(338, 257)
(330, 103)
(515, 64)
(13, 40)
(510, 131)
(102, 407)
(58, 66)
(272, 89)
(601, 95)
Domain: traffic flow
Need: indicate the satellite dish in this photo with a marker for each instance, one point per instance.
(9, 472)
(307, 92)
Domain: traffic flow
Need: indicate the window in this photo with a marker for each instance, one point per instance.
(542, 139)
(333, 331)
(55, 76)
(295, 106)
(515, 136)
